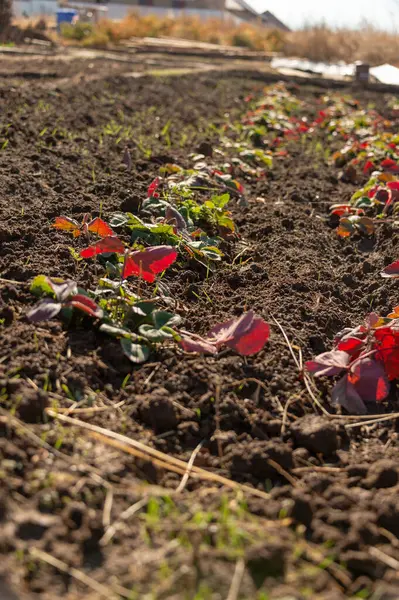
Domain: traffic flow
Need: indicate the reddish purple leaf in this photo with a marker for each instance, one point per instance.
(252, 341)
(63, 290)
(149, 262)
(44, 311)
(391, 270)
(173, 216)
(369, 378)
(197, 344)
(328, 363)
(344, 393)
(107, 244)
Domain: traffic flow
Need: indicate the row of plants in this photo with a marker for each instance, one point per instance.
(366, 357)
(184, 217)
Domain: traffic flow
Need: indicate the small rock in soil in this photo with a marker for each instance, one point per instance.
(158, 411)
(388, 514)
(382, 474)
(301, 510)
(265, 561)
(206, 149)
(33, 526)
(362, 563)
(253, 458)
(316, 434)
(30, 404)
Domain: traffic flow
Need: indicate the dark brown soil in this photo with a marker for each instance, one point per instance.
(331, 525)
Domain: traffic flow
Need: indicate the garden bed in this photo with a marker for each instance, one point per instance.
(308, 507)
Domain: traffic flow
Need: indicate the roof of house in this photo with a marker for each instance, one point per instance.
(270, 20)
(242, 10)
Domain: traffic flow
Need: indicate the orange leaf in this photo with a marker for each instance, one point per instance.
(100, 227)
(67, 224)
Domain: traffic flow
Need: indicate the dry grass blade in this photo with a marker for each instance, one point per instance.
(296, 360)
(299, 364)
(13, 281)
(237, 580)
(384, 558)
(190, 464)
(282, 472)
(136, 448)
(101, 589)
(19, 426)
(129, 512)
(372, 420)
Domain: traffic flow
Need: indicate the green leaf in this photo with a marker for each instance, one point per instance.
(363, 202)
(211, 253)
(137, 353)
(143, 308)
(153, 335)
(115, 331)
(162, 318)
(136, 223)
(112, 270)
(41, 287)
(225, 221)
(221, 201)
(119, 219)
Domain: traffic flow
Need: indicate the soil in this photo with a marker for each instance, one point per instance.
(330, 526)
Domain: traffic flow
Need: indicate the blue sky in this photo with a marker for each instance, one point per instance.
(383, 13)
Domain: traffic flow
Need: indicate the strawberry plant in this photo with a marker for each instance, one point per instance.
(366, 357)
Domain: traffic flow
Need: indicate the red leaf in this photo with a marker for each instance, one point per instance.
(253, 340)
(225, 332)
(351, 345)
(149, 262)
(328, 363)
(107, 244)
(153, 188)
(87, 305)
(369, 166)
(341, 209)
(100, 227)
(67, 224)
(372, 192)
(247, 334)
(389, 164)
(391, 270)
(387, 342)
